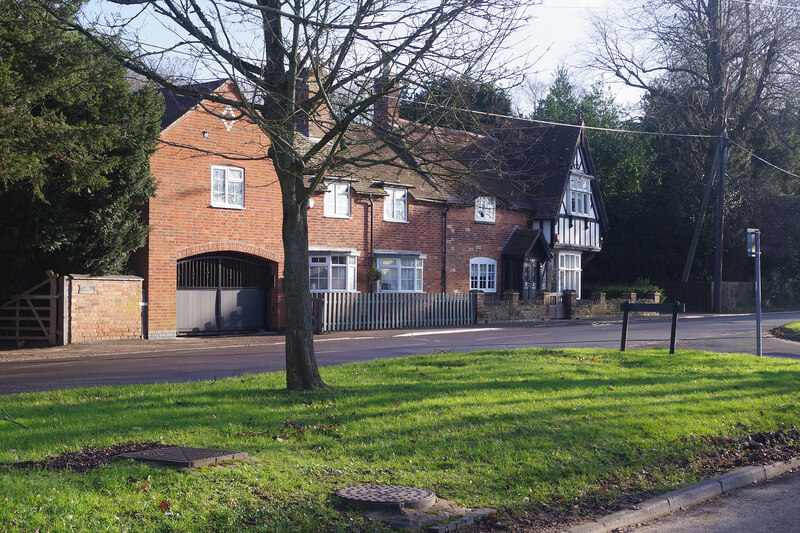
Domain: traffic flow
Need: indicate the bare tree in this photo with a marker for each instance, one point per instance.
(721, 66)
(344, 50)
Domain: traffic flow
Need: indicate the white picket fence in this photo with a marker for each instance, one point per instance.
(360, 311)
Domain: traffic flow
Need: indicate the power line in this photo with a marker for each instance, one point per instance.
(553, 123)
(764, 4)
(776, 167)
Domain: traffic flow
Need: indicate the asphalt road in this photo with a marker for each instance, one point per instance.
(764, 508)
(722, 333)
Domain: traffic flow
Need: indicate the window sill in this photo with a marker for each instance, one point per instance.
(333, 292)
(485, 222)
(225, 206)
(396, 221)
(346, 217)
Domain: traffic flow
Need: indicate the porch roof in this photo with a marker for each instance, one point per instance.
(528, 243)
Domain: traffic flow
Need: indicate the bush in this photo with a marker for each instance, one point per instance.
(641, 287)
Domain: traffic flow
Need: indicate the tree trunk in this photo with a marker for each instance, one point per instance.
(301, 365)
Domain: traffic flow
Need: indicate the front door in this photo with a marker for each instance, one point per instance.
(529, 275)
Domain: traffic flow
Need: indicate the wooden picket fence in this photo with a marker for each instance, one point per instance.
(362, 311)
(33, 315)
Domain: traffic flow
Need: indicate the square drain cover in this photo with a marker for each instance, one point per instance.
(184, 456)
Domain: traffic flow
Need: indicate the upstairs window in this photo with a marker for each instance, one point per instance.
(395, 205)
(580, 196)
(337, 199)
(483, 274)
(484, 209)
(227, 187)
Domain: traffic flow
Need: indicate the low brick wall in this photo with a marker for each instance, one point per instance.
(493, 309)
(102, 308)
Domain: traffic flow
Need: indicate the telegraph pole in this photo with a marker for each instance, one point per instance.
(723, 157)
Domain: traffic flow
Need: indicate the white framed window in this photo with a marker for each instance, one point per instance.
(227, 187)
(337, 199)
(580, 194)
(395, 205)
(332, 273)
(484, 209)
(400, 274)
(483, 274)
(569, 272)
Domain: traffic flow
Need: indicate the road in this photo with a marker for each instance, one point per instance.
(764, 508)
(722, 333)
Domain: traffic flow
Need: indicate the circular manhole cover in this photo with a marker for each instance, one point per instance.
(387, 497)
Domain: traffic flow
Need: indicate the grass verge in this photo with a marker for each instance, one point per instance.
(509, 429)
(790, 331)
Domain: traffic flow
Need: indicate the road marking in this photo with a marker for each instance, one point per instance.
(505, 337)
(444, 332)
(343, 339)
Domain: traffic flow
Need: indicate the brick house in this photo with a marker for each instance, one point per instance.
(214, 258)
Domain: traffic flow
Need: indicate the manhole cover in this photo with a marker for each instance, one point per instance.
(393, 497)
(186, 457)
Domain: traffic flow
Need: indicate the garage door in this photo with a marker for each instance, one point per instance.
(222, 293)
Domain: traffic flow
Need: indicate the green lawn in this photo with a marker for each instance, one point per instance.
(792, 329)
(484, 429)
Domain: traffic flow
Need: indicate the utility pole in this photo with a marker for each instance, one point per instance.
(723, 158)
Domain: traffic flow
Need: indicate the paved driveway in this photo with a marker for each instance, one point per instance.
(192, 359)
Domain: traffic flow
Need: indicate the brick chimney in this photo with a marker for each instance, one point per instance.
(386, 107)
(314, 124)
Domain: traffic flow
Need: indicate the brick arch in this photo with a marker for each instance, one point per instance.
(228, 246)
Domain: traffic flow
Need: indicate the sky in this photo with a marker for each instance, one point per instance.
(556, 32)
(555, 35)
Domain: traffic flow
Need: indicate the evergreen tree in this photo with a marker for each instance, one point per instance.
(74, 146)
(457, 102)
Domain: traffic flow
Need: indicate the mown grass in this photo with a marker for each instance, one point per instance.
(792, 329)
(484, 429)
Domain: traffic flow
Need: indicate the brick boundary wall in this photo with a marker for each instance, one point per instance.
(510, 309)
(102, 308)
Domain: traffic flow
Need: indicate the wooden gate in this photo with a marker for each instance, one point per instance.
(222, 293)
(556, 307)
(33, 315)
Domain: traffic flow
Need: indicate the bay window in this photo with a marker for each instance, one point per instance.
(332, 273)
(400, 274)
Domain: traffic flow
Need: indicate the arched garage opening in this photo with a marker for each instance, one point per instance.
(223, 292)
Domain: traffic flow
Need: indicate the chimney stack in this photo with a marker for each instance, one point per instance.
(386, 107)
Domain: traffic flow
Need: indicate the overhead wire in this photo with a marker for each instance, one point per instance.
(776, 167)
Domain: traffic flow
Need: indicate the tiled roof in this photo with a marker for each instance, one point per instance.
(523, 166)
(175, 105)
(522, 242)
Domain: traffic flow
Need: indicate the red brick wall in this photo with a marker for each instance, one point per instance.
(422, 233)
(183, 223)
(104, 308)
(467, 239)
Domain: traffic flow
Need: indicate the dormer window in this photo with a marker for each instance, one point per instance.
(337, 199)
(395, 205)
(580, 196)
(484, 209)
